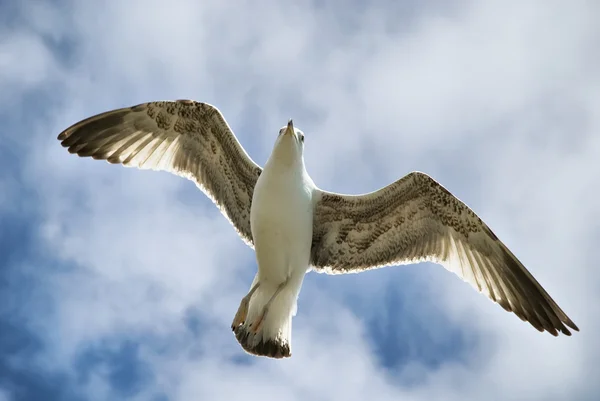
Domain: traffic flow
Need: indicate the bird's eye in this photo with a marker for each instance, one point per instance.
(302, 138)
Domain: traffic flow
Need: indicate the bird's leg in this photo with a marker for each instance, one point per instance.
(242, 312)
(258, 322)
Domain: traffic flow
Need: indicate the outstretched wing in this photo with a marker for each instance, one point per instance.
(416, 219)
(187, 138)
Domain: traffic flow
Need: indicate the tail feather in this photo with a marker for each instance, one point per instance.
(256, 344)
(274, 337)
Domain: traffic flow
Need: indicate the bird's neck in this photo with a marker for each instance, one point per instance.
(285, 158)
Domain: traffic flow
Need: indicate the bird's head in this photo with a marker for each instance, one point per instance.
(289, 145)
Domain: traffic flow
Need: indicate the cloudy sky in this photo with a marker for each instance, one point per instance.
(121, 284)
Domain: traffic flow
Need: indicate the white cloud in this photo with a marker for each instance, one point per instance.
(4, 395)
(497, 101)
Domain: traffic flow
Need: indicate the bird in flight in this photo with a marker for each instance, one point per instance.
(294, 226)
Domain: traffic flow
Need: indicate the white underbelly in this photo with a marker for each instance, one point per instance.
(281, 220)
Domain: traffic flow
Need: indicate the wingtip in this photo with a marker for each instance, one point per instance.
(62, 136)
(562, 329)
(572, 326)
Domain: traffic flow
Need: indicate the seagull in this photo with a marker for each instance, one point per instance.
(295, 227)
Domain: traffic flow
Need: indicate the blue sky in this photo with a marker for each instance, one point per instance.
(121, 284)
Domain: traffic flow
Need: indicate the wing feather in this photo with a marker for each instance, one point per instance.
(187, 138)
(416, 219)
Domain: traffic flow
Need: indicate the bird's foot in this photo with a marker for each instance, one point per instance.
(241, 314)
(257, 324)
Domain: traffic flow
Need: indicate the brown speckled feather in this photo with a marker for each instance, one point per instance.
(416, 219)
(187, 138)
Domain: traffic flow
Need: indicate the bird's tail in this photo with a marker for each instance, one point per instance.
(274, 335)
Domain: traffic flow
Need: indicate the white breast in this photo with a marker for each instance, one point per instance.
(281, 219)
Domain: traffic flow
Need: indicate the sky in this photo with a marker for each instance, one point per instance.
(121, 284)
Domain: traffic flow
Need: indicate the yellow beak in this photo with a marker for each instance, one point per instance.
(290, 127)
